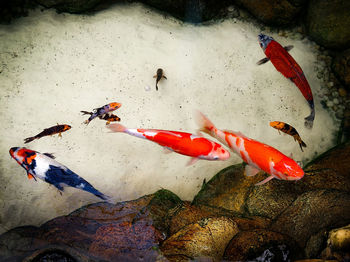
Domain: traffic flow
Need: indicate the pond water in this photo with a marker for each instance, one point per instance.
(55, 65)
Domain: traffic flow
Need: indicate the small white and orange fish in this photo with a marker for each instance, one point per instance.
(45, 167)
(257, 155)
(183, 143)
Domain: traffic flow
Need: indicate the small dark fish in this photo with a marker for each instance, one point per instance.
(288, 129)
(101, 111)
(159, 76)
(58, 129)
(108, 117)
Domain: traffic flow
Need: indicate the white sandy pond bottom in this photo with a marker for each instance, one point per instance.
(55, 65)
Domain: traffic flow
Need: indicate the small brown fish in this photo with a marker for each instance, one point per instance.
(58, 129)
(108, 117)
(159, 76)
(288, 129)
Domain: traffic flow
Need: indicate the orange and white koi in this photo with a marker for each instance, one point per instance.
(101, 112)
(44, 166)
(183, 143)
(288, 129)
(257, 155)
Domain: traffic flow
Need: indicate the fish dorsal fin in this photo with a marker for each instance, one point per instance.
(288, 48)
(167, 150)
(251, 171)
(49, 155)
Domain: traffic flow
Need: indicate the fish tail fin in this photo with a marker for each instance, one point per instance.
(157, 87)
(86, 113)
(89, 188)
(116, 128)
(29, 139)
(301, 144)
(204, 123)
(309, 120)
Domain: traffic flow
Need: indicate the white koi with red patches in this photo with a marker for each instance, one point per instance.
(257, 155)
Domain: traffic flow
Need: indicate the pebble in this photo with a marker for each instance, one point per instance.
(147, 88)
(319, 75)
(336, 101)
(330, 104)
(342, 92)
(335, 94)
(330, 84)
(339, 114)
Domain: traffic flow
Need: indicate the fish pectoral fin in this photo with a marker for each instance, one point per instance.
(288, 48)
(164, 77)
(251, 171)
(264, 181)
(192, 161)
(263, 61)
(60, 135)
(154, 76)
(30, 176)
(49, 155)
(167, 150)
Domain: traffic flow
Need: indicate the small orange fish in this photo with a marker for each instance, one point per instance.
(288, 129)
(58, 129)
(159, 76)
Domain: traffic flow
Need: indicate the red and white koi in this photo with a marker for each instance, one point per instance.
(44, 167)
(257, 155)
(183, 143)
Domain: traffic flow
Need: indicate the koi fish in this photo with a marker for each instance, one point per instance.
(288, 129)
(159, 76)
(58, 129)
(285, 64)
(183, 143)
(108, 117)
(257, 155)
(101, 111)
(44, 166)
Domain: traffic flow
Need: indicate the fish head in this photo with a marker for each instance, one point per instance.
(218, 153)
(22, 155)
(66, 127)
(276, 124)
(264, 40)
(288, 169)
(114, 106)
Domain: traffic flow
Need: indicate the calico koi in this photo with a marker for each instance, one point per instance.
(257, 155)
(288, 129)
(159, 76)
(44, 167)
(108, 117)
(183, 143)
(102, 111)
(58, 129)
(287, 66)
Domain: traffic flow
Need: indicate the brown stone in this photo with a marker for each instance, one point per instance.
(247, 245)
(341, 68)
(206, 238)
(273, 12)
(313, 211)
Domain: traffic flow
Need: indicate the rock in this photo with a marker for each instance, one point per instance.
(228, 189)
(328, 22)
(206, 238)
(248, 245)
(189, 214)
(126, 231)
(316, 244)
(339, 239)
(274, 12)
(312, 211)
(70, 6)
(195, 11)
(342, 92)
(341, 68)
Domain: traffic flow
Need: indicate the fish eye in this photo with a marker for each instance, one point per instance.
(216, 157)
(261, 45)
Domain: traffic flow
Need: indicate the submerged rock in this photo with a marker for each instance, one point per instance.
(339, 239)
(341, 67)
(328, 22)
(126, 231)
(206, 238)
(274, 12)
